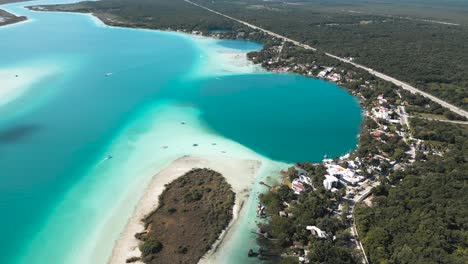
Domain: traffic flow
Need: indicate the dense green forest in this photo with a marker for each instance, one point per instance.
(420, 215)
(447, 10)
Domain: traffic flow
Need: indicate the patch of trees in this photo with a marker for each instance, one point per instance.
(192, 212)
(289, 234)
(437, 131)
(420, 214)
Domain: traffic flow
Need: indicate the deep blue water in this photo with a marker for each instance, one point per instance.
(56, 131)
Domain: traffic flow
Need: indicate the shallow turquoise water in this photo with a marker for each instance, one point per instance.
(54, 134)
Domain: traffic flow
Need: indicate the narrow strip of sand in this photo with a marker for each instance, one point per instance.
(237, 172)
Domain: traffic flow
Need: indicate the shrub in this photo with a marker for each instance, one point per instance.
(193, 195)
(150, 246)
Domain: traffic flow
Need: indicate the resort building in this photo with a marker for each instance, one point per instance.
(330, 182)
(347, 176)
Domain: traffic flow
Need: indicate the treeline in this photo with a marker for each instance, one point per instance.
(160, 14)
(419, 215)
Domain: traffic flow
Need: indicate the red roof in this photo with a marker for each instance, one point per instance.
(299, 185)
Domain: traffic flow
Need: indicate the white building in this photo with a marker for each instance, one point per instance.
(347, 176)
(381, 112)
(330, 182)
(324, 73)
(381, 99)
(334, 77)
(317, 231)
(305, 179)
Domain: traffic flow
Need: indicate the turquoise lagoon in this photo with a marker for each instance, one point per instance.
(62, 202)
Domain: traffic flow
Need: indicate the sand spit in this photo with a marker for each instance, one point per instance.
(239, 173)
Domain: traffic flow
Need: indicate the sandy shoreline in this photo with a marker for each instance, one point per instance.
(239, 173)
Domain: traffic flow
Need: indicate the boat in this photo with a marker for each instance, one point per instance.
(108, 74)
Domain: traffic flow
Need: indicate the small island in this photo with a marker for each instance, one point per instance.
(193, 211)
(8, 18)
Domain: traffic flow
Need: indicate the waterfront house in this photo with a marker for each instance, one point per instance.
(297, 186)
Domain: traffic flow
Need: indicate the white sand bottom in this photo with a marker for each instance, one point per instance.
(16, 80)
(218, 60)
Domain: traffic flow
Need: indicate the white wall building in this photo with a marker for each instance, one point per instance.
(330, 182)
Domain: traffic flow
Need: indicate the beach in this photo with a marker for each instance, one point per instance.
(221, 60)
(240, 174)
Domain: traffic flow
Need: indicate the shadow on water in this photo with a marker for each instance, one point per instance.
(17, 133)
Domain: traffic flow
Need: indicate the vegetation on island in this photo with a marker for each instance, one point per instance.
(8, 18)
(192, 212)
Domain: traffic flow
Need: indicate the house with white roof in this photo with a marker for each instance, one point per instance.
(381, 112)
(347, 176)
(317, 231)
(330, 182)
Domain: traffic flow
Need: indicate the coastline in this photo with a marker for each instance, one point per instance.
(237, 206)
(127, 245)
(140, 195)
(12, 18)
(225, 61)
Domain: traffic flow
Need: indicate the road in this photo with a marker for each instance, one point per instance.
(444, 120)
(383, 76)
(357, 199)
